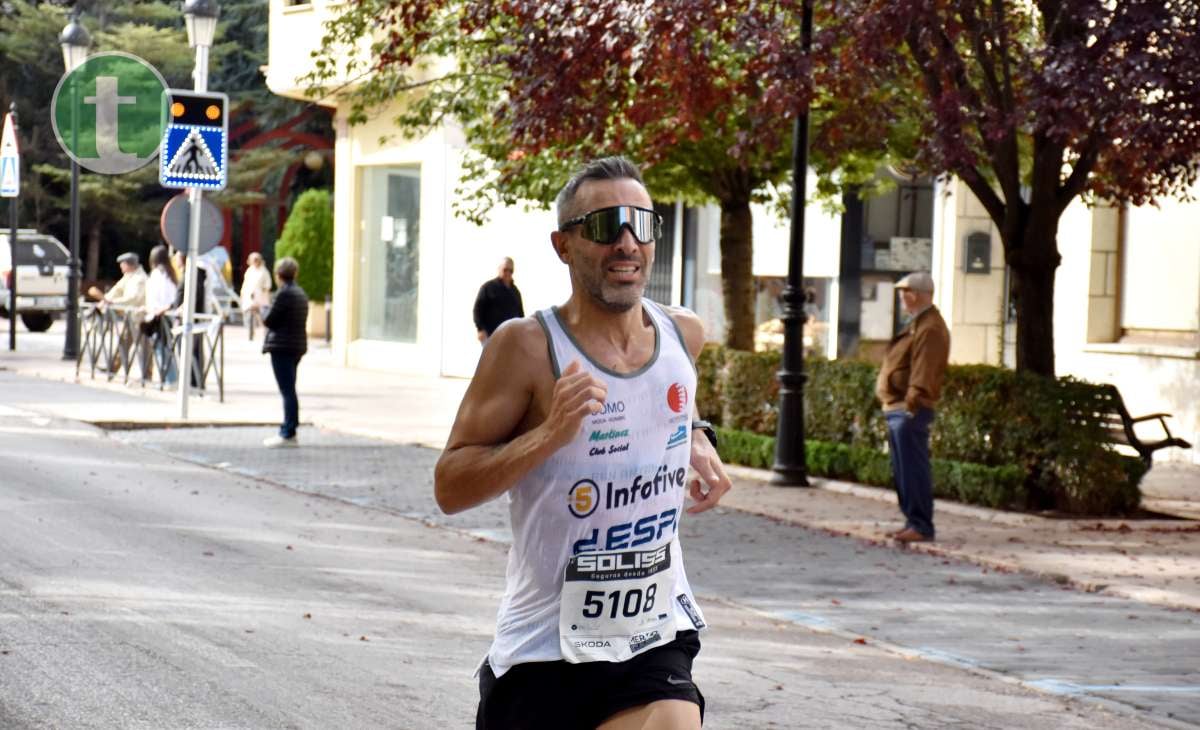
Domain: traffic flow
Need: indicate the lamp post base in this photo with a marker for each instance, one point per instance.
(789, 477)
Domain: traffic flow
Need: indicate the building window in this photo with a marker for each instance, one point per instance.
(389, 254)
(662, 273)
(1160, 272)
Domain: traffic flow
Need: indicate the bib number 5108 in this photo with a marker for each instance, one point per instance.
(630, 602)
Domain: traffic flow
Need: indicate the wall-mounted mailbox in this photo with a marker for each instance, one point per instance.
(979, 253)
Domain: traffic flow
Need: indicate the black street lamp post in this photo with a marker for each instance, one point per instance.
(75, 42)
(790, 467)
(14, 207)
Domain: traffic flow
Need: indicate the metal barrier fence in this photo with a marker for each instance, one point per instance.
(115, 339)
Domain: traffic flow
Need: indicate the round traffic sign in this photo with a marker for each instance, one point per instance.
(106, 113)
(174, 223)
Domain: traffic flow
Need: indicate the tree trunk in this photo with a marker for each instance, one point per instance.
(737, 273)
(1033, 279)
(92, 270)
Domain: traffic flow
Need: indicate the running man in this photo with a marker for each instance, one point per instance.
(583, 415)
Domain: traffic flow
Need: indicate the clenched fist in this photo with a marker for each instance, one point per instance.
(577, 394)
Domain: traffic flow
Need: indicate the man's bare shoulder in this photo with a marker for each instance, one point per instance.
(690, 326)
(520, 333)
(518, 346)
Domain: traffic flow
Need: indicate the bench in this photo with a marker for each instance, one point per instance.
(1104, 407)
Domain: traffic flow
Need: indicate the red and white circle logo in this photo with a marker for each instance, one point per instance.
(677, 397)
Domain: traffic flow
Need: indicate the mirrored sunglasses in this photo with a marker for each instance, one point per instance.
(604, 225)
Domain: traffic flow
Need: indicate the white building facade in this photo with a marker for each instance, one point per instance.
(406, 269)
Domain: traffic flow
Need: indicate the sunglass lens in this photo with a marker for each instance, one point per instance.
(604, 226)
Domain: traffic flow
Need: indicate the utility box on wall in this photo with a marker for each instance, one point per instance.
(978, 258)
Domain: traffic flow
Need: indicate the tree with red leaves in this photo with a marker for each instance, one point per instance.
(1032, 103)
(702, 94)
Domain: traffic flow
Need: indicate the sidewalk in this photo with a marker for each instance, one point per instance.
(1155, 561)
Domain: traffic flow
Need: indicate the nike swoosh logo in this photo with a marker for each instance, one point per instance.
(672, 680)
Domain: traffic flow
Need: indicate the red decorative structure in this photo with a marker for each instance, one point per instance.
(246, 136)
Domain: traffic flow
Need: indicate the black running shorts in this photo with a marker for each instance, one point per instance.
(563, 696)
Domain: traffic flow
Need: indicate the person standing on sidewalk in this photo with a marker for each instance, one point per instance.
(498, 301)
(162, 288)
(581, 416)
(286, 342)
(256, 291)
(909, 385)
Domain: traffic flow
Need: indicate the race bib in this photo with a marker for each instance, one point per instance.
(615, 605)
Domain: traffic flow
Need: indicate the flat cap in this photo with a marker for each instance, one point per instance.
(129, 257)
(917, 281)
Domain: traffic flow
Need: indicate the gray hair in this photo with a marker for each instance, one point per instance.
(286, 268)
(605, 168)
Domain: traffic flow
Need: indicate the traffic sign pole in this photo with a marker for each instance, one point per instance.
(195, 198)
(189, 300)
(10, 171)
(195, 156)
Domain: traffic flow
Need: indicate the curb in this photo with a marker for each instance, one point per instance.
(149, 425)
(1158, 597)
(983, 514)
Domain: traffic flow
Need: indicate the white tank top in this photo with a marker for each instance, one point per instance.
(618, 486)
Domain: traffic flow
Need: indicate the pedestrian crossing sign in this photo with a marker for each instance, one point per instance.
(195, 153)
(10, 161)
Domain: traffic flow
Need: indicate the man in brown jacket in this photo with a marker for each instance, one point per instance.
(909, 385)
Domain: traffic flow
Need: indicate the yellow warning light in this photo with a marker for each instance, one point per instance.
(177, 109)
(213, 111)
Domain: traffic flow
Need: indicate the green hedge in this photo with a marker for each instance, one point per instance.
(709, 370)
(308, 237)
(991, 486)
(988, 417)
(750, 391)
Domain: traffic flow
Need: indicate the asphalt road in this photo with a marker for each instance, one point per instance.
(140, 590)
(1047, 636)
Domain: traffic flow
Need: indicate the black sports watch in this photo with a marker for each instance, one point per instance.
(709, 431)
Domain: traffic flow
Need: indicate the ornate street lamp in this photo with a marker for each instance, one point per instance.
(200, 17)
(791, 469)
(75, 42)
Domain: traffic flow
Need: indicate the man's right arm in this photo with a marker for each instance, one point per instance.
(482, 459)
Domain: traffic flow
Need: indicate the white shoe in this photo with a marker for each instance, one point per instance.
(277, 442)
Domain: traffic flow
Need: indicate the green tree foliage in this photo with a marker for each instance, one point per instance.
(104, 206)
(117, 213)
(120, 213)
(703, 94)
(308, 238)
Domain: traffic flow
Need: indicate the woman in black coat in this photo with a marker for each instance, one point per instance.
(286, 342)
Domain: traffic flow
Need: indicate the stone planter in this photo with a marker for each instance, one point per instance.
(316, 319)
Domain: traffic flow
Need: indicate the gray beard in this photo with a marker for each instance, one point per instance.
(613, 299)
